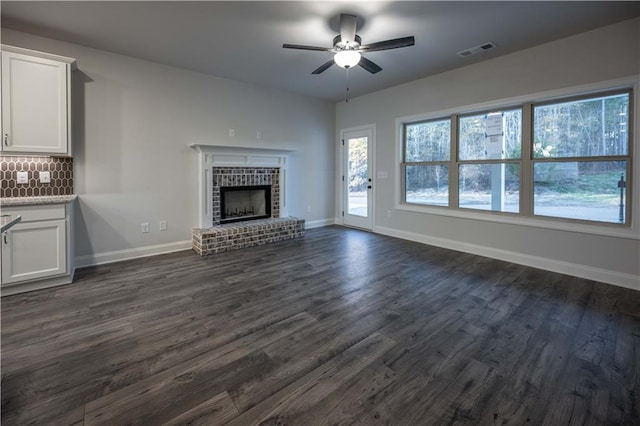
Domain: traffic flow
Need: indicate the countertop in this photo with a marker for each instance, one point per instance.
(34, 201)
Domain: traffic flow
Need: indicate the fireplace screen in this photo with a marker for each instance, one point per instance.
(238, 203)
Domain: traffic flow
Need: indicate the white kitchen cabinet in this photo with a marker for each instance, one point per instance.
(36, 93)
(36, 252)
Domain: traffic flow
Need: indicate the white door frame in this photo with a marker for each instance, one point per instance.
(370, 166)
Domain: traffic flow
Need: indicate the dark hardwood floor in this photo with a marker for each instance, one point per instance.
(340, 327)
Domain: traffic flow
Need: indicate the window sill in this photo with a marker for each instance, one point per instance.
(612, 230)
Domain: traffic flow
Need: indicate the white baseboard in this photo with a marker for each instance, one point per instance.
(320, 223)
(577, 270)
(133, 253)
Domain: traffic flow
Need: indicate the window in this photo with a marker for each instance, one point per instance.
(569, 159)
(426, 162)
(489, 152)
(581, 158)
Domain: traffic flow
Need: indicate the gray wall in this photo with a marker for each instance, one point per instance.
(605, 54)
(133, 123)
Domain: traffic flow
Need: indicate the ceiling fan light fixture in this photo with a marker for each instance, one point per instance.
(347, 58)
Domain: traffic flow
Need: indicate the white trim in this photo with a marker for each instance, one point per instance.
(612, 230)
(133, 253)
(235, 156)
(513, 219)
(38, 54)
(239, 150)
(320, 223)
(574, 269)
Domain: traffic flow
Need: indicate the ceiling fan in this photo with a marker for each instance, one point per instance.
(348, 47)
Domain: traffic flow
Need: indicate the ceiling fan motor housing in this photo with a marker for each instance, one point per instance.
(338, 45)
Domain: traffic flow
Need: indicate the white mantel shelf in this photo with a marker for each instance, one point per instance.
(241, 150)
(236, 156)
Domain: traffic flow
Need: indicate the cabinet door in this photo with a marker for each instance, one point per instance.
(34, 250)
(34, 104)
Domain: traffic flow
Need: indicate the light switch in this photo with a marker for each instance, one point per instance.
(45, 177)
(23, 177)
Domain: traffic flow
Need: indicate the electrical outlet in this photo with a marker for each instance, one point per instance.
(45, 177)
(145, 227)
(23, 177)
(232, 132)
(388, 213)
(163, 225)
(309, 208)
(258, 135)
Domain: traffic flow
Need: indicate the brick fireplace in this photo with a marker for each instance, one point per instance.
(246, 222)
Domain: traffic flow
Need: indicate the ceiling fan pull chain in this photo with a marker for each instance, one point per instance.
(347, 95)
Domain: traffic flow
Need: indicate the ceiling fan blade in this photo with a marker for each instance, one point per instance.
(369, 66)
(347, 28)
(302, 47)
(389, 44)
(324, 67)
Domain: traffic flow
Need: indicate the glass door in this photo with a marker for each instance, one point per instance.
(357, 178)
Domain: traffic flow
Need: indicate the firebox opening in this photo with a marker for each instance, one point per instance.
(238, 203)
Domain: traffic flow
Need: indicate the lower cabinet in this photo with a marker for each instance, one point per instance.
(36, 252)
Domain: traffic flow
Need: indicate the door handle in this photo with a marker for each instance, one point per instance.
(6, 139)
(4, 236)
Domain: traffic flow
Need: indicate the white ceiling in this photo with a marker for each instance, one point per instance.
(243, 40)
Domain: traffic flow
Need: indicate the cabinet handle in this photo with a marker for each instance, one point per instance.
(6, 139)
(4, 236)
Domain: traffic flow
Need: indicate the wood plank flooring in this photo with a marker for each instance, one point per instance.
(339, 327)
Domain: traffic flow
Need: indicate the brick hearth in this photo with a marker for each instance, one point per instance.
(233, 236)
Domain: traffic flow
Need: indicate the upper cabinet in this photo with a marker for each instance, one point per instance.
(36, 102)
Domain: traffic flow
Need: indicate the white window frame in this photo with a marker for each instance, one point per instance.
(583, 159)
(452, 136)
(595, 228)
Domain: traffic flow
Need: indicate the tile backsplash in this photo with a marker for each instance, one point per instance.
(61, 174)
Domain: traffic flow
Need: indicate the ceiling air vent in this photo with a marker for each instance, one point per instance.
(477, 49)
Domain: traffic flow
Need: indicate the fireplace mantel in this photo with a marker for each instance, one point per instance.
(239, 150)
(234, 156)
